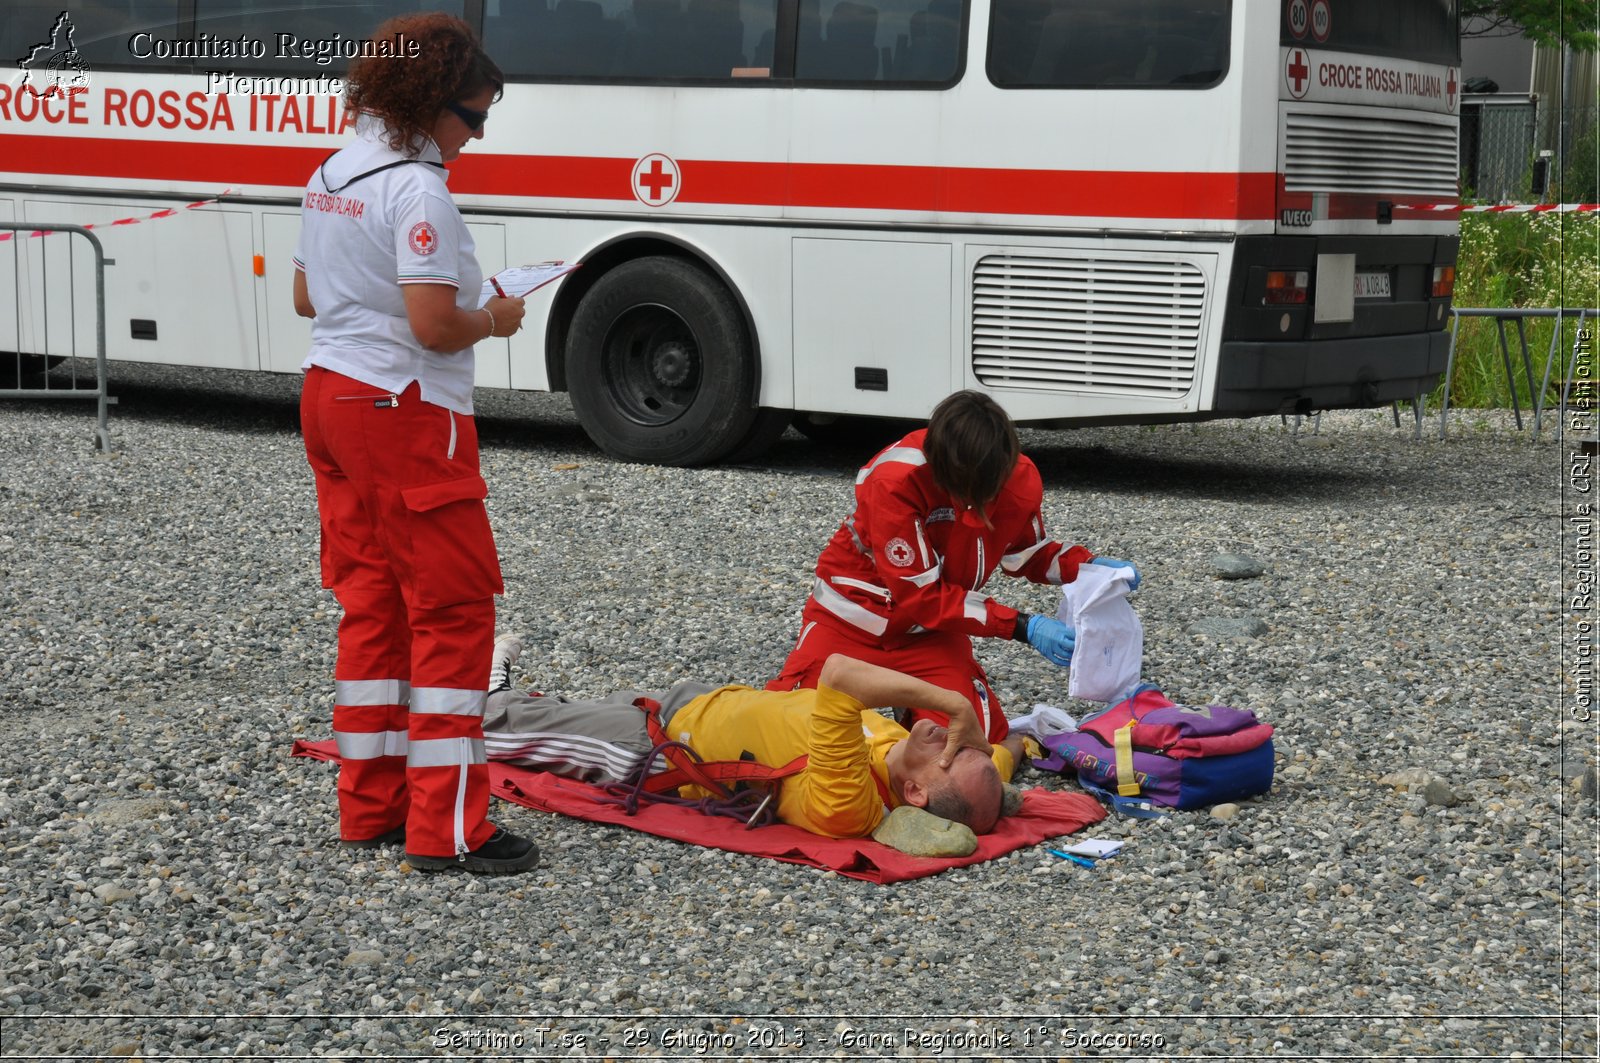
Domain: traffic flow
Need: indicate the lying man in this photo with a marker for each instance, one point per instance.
(861, 764)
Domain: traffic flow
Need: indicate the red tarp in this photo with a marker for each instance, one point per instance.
(1045, 814)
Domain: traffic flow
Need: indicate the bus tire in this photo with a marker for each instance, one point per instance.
(769, 425)
(660, 366)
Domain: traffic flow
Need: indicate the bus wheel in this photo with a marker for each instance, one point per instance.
(659, 365)
(769, 425)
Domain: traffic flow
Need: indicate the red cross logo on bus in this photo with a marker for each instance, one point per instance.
(656, 180)
(1297, 72)
(1450, 87)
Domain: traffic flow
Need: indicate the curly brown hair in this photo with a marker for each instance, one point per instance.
(409, 90)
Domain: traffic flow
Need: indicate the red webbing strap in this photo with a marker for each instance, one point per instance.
(718, 777)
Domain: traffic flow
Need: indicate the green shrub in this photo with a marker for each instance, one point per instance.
(1580, 180)
(1519, 260)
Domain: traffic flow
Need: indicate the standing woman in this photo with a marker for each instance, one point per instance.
(385, 269)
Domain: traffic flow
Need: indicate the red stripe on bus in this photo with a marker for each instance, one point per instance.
(180, 162)
(960, 190)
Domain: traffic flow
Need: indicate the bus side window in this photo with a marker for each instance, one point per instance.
(932, 47)
(654, 45)
(1014, 39)
(582, 40)
(848, 50)
(518, 36)
(1196, 51)
(1079, 45)
(100, 32)
(765, 47)
(1109, 43)
(716, 38)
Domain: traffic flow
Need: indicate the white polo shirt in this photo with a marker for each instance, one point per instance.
(361, 238)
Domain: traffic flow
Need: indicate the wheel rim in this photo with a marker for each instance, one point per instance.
(650, 361)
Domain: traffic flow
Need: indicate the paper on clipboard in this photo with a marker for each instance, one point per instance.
(518, 281)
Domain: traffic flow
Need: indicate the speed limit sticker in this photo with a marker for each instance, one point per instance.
(1299, 18)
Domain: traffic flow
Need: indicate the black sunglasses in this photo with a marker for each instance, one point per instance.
(473, 120)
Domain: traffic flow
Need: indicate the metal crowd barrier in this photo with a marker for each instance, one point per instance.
(1537, 396)
(48, 318)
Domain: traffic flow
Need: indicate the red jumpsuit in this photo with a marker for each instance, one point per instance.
(899, 583)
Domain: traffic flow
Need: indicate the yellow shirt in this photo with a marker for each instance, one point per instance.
(837, 795)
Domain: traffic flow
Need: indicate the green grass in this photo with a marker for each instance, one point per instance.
(1520, 260)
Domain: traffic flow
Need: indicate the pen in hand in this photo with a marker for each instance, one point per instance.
(497, 289)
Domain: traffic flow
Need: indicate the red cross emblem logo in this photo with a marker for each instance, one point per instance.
(656, 180)
(424, 238)
(899, 552)
(1297, 72)
(1450, 87)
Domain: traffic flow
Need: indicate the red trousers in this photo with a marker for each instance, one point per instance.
(942, 658)
(407, 550)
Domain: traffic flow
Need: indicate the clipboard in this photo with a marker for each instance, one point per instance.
(519, 281)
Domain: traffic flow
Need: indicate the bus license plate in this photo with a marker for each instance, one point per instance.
(1372, 285)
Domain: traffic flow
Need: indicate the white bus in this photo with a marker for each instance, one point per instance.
(1093, 210)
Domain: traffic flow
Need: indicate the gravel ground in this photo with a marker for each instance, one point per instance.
(171, 883)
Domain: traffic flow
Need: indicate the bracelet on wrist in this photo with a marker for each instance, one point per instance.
(1020, 632)
(492, 322)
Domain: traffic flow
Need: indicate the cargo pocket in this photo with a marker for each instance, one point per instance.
(452, 548)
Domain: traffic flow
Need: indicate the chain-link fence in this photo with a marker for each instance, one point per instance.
(1498, 149)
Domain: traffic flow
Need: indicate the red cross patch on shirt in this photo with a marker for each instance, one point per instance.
(424, 238)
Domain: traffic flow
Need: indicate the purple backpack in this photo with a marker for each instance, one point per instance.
(1144, 749)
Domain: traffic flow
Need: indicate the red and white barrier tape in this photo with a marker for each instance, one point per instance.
(1507, 208)
(168, 213)
(1512, 208)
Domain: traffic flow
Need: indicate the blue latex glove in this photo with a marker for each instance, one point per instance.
(1052, 638)
(1111, 562)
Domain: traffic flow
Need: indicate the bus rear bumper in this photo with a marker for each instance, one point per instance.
(1254, 378)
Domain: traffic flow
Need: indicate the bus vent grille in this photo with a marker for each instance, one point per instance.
(1368, 155)
(1086, 324)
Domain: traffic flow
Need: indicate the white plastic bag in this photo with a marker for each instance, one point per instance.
(1109, 650)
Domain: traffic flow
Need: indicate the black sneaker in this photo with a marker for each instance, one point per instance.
(503, 854)
(388, 837)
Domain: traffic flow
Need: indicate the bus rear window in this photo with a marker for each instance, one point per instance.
(1095, 44)
(1424, 30)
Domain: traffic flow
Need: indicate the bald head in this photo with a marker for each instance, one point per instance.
(969, 792)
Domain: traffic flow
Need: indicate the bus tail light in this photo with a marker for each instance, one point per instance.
(1287, 286)
(1444, 281)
